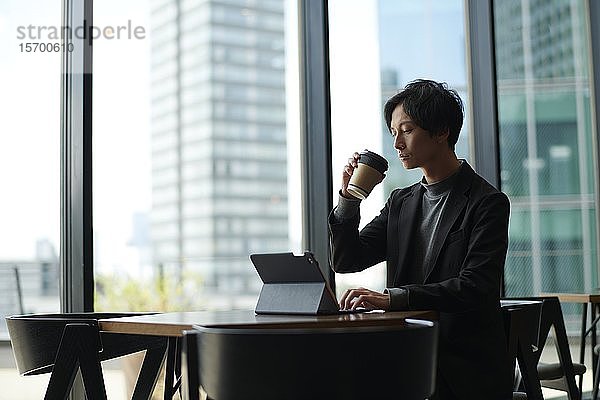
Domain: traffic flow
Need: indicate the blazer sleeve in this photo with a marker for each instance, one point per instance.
(353, 251)
(480, 275)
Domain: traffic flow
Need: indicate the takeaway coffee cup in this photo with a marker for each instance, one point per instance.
(370, 171)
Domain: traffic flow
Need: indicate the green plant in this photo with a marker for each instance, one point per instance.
(121, 292)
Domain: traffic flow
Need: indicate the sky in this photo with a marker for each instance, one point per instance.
(424, 39)
(30, 126)
(30, 130)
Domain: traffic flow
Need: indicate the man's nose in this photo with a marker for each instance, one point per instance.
(399, 143)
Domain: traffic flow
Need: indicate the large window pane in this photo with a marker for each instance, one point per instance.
(29, 173)
(398, 41)
(546, 146)
(196, 151)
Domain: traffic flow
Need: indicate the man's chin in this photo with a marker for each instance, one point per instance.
(407, 164)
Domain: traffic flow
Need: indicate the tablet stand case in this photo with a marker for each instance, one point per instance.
(292, 285)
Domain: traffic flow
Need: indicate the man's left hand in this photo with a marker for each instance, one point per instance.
(366, 298)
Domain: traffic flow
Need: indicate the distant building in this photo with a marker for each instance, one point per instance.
(219, 170)
(546, 143)
(29, 285)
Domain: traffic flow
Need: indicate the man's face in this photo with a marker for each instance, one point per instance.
(416, 147)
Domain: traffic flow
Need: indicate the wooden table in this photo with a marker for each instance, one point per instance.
(172, 326)
(584, 299)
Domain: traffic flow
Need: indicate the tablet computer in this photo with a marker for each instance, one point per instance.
(294, 284)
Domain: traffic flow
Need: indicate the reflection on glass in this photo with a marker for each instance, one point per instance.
(546, 142)
(398, 41)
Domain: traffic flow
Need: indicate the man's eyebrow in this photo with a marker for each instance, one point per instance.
(403, 122)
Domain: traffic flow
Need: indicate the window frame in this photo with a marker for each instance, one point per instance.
(315, 130)
(76, 226)
(594, 32)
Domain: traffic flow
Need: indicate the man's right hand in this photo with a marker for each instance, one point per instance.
(348, 171)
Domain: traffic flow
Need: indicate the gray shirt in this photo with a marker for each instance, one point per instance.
(433, 203)
(346, 208)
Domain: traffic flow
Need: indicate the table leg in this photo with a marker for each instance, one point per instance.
(171, 368)
(582, 344)
(594, 356)
(149, 372)
(190, 374)
(178, 377)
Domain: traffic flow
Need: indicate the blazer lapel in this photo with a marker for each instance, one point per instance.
(457, 200)
(406, 226)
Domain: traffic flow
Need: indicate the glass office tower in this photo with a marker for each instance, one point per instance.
(548, 165)
(219, 173)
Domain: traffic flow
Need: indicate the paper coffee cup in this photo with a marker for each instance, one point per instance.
(369, 172)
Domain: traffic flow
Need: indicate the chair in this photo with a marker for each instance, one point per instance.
(64, 343)
(522, 323)
(560, 375)
(368, 362)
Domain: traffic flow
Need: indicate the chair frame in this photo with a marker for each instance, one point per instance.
(64, 343)
(552, 317)
(522, 334)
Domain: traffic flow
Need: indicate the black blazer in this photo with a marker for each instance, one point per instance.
(463, 283)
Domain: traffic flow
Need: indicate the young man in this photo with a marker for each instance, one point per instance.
(444, 240)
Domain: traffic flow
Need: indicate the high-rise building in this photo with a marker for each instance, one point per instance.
(546, 147)
(219, 174)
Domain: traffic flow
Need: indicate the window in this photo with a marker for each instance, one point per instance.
(29, 165)
(194, 149)
(195, 152)
(546, 147)
(369, 65)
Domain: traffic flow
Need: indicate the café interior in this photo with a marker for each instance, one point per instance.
(154, 146)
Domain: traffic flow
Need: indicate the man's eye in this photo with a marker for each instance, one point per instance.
(406, 132)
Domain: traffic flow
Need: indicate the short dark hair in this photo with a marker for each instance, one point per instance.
(431, 105)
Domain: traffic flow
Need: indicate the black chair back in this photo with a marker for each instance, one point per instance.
(65, 343)
(522, 321)
(318, 363)
(35, 339)
(561, 375)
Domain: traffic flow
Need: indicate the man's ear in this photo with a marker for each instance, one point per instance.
(442, 136)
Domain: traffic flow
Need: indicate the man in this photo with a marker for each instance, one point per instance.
(444, 240)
